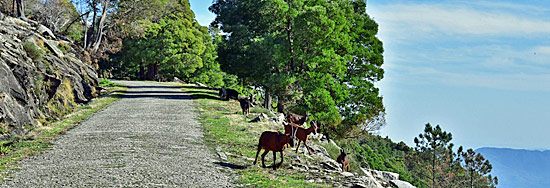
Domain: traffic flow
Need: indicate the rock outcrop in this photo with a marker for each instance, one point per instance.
(321, 168)
(40, 76)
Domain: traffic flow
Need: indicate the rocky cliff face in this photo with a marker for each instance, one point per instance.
(40, 76)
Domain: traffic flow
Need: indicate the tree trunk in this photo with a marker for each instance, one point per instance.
(433, 167)
(19, 8)
(94, 18)
(471, 178)
(141, 71)
(85, 31)
(290, 41)
(99, 33)
(152, 71)
(267, 101)
(280, 105)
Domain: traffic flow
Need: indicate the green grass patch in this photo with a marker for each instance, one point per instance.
(107, 83)
(39, 138)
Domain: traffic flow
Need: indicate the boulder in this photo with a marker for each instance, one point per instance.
(177, 80)
(401, 184)
(46, 32)
(383, 176)
(198, 84)
(261, 117)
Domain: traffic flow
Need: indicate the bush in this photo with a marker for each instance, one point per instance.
(107, 83)
(64, 47)
(33, 51)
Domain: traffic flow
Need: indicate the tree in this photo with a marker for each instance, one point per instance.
(433, 142)
(320, 57)
(60, 16)
(478, 169)
(173, 45)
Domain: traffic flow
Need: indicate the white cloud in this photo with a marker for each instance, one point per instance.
(456, 19)
(542, 50)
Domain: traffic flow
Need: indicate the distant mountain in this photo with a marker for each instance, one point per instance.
(517, 168)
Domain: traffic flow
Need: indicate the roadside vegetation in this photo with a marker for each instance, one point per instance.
(39, 138)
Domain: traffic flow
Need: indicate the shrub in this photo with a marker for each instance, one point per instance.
(64, 47)
(33, 51)
(107, 83)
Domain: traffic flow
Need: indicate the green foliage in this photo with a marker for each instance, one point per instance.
(4, 147)
(174, 46)
(375, 152)
(320, 57)
(64, 47)
(107, 83)
(434, 145)
(33, 51)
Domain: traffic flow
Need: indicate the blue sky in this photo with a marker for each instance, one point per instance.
(479, 69)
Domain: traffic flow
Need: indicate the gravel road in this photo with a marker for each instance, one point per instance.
(148, 138)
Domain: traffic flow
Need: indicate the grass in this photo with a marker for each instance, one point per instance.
(107, 83)
(39, 138)
(33, 51)
(226, 128)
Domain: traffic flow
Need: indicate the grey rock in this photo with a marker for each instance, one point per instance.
(260, 118)
(28, 87)
(222, 156)
(44, 31)
(177, 80)
(200, 84)
(52, 45)
(401, 184)
(347, 174)
(384, 176)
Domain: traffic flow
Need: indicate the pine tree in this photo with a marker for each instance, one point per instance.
(434, 142)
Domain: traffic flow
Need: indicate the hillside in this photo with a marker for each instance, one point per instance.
(516, 168)
(41, 77)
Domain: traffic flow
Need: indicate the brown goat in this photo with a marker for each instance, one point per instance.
(290, 128)
(344, 160)
(297, 119)
(273, 141)
(302, 134)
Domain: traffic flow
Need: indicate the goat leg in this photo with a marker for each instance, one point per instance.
(274, 160)
(255, 160)
(308, 150)
(282, 159)
(298, 147)
(263, 158)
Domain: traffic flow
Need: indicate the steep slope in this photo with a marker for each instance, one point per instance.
(40, 76)
(516, 168)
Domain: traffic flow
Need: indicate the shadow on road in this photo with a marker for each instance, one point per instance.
(232, 166)
(156, 87)
(181, 97)
(146, 92)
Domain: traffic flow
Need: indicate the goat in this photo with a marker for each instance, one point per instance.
(297, 119)
(302, 134)
(343, 159)
(226, 94)
(245, 105)
(273, 141)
